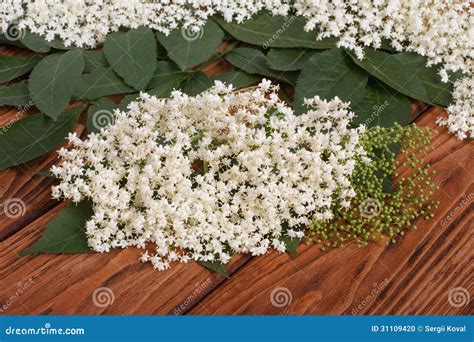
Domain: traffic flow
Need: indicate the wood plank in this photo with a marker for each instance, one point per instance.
(412, 276)
(65, 284)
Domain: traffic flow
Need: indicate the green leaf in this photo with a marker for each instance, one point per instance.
(276, 31)
(167, 77)
(188, 48)
(291, 244)
(133, 55)
(101, 82)
(238, 78)
(254, 61)
(52, 82)
(197, 83)
(35, 135)
(329, 74)
(35, 42)
(15, 94)
(94, 60)
(100, 114)
(58, 44)
(12, 67)
(381, 106)
(66, 233)
(289, 59)
(215, 267)
(407, 73)
(127, 100)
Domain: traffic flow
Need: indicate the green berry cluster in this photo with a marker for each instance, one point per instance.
(386, 203)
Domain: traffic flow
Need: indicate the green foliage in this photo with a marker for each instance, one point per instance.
(407, 73)
(289, 59)
(196, 83)
(66, 233)
(267, 30)
(34, 135)
(381, 106)
(167, 77)
(216, 267)
(100, 82)
(188, 48)
(52, 82)
(328, 74)
(238, 78)
(35, 42)
(291, 245)
(15, 94)
(94, 60)
(253, 61)
(12, 67)
(374, 213)
(132, 55)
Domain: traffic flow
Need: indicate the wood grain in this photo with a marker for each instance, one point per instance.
(413, 276)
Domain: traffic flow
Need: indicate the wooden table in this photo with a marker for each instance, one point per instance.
(413, 276)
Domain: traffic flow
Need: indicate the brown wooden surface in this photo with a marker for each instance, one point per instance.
(412, 276)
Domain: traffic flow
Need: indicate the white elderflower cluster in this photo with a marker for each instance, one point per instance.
(86, 23)
(208, 176)
(441, 30)
(460, 118)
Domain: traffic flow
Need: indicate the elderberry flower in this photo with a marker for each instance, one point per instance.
(460, 118)
(86, 23)
(208, 176)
